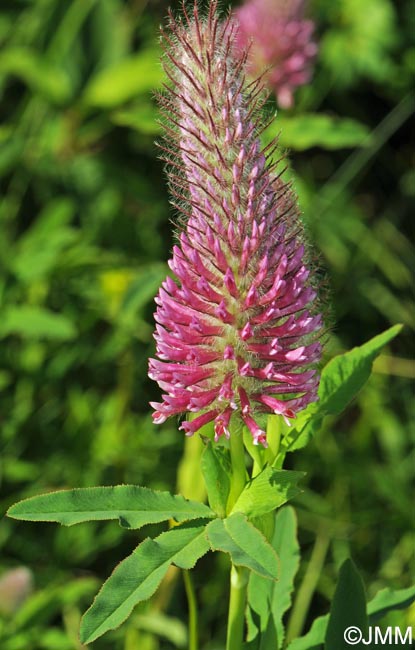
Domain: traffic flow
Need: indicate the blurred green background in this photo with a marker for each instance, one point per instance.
(84, 238)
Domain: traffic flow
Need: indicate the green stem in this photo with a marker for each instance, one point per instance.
(237, 602)
(193, 617)
(308, 586)
(239, 475)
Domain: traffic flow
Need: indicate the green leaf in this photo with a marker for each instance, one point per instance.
(167, 627)
(264, 641)
(345, 375)
(137, 577)
(188, 470)
(124, 80)
(40, 248)
(304, 131)
(389, 599)
(268, 601)
(141, 117)
(11, 150)
(245, 544)
(41, 75)
(36, 323)
(360, 42)
(384, 601)
(44, 605)
(267, 491)
(132, 505)
(145, 283)
(341, 379)
(314, 638)
(348, 608)
(216, 467)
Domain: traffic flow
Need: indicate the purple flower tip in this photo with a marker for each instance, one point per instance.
(281, 44)
(237, 330)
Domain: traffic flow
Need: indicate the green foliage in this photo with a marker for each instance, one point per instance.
(36, 323)
(361, 41)
(131, 505)
(301, 132)
(268, 601)
(387, 600)
(314, 638)
(215, 464)
(34, 620)
(137, 577)
(84, 237)
(43, 77)
(124, 80)
(344, 376)
(245, 544)
(341, 380)
(167, 627)
(267, 491)
(348, 608)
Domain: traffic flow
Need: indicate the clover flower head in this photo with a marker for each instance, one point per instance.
(237, 327)
(281, 44)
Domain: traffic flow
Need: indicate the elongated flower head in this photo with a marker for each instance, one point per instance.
(281, 44)
(236, 328)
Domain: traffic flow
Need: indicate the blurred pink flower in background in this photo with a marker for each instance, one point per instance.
(281, 44)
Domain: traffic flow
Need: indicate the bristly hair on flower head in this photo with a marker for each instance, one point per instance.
(237, 329)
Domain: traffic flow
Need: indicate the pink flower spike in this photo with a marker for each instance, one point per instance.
(237, 327)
